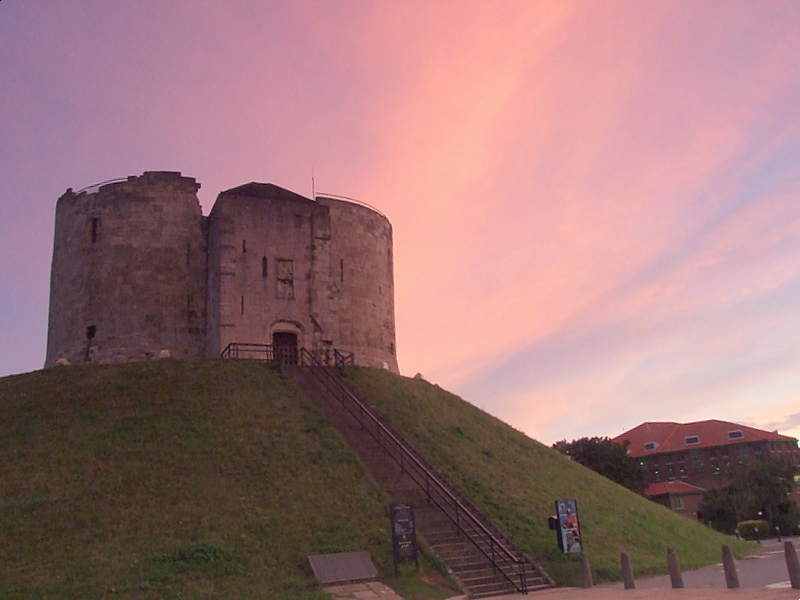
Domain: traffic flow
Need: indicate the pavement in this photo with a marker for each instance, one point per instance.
(762, 575)
(371, 590)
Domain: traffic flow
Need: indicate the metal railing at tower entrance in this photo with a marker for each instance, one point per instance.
(286, 355)
(502, 558)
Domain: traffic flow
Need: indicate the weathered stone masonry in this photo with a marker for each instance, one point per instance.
(138, 272)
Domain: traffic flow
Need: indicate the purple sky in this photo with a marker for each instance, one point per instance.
(596, 205)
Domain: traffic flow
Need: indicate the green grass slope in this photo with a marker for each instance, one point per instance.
(516, 481)
(215, 479)
(175, 480)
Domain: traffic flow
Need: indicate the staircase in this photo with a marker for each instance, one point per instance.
(483, 560)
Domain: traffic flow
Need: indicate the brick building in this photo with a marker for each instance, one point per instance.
(683, 498)
(700, 455)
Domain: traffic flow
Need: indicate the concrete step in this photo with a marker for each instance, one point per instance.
(465, 561)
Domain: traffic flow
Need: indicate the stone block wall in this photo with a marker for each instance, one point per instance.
(139, 273)
(128, 278)
(320, 270)
(361, 279)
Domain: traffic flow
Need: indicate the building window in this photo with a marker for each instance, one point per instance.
(735, 435)
(655, 468)
(649, 446)
(681, 458)
(244, 245)
(341, 269)
(670, 469)
(263, 266)
(298, 221)
(95, 225)
(678, 503)
(697, 461)
(242, 304)
(285, 275)
(91, 330)
(691, 440)
(713, 459)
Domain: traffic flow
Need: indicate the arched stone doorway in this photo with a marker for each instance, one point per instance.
(284, 347)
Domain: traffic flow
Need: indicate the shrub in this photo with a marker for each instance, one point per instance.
(748, 529)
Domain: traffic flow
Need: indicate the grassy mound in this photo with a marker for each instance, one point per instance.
(516, 480)
(206, 479)
(175, 479)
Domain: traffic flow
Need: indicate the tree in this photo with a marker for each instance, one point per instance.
(719, 510)
(759, 489)
(608, 458)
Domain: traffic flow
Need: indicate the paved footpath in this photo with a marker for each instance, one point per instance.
(608, 593)
(763, 576)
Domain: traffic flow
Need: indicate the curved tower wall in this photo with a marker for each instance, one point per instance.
(319, 271)
(362, 273)
(128, 277)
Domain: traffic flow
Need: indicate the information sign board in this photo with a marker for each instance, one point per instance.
(569, 529)
(404, 537)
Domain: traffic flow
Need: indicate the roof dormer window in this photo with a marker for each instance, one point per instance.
(735, 435)
(691, 440)
(650, 446)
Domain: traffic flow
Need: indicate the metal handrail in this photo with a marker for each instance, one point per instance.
(343, 358)
(264, 352)
(91, 189)
(281, 354)
(353, 200)
(500, 556)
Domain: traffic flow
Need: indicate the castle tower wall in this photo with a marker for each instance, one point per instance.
(262, 242)
(362, 281)
(128, 277)
(318, 270)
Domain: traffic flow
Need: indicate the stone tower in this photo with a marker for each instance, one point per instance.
(138, 273)
(128, 278)
(289, 271)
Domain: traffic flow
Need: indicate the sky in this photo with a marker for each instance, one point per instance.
(595, 204)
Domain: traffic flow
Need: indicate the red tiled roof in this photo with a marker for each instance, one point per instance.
(670, 437)
(665, 488)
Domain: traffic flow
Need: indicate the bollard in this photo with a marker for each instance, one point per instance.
(675, 576)
(586, 572)
(731, 576)
(627, 572)
(792, 565)
(778, 533)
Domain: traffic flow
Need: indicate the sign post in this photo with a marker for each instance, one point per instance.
(404, 537)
